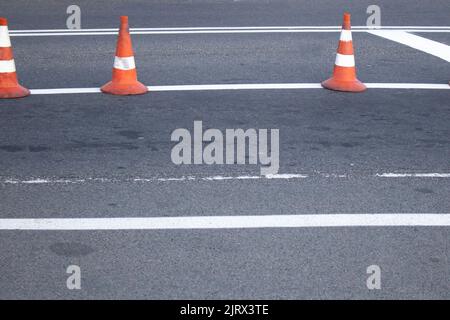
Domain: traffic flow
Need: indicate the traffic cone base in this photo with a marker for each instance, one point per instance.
(9, 86)
(124, 83)
(124, 89)
(347, 86)
(15, 92)
(124, 76)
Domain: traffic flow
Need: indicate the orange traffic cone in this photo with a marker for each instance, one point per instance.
(124, 76)
(9, 86)
(344, 73)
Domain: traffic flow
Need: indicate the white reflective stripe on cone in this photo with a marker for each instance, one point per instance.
(7, 66)
(346, 35)
(124, 63)
(4, 37)
(345, 60)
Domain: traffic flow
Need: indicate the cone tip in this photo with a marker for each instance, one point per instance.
(346, 24)
(124, 19)
(3, 21)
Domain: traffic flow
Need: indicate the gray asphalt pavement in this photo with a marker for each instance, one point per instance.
(51, 14)
(342, 142)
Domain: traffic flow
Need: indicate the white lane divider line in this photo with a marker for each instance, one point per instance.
(365, 28)
(199, 28)
(413, 175)
(230, 222)
(434, 48)
(179, 32)
(237, 86)
(408, 86)
(218, 30)
(65, 91)
(251, 86)
(281, 176)
(42, 180)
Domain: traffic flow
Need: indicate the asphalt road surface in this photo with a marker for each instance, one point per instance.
(91, 155)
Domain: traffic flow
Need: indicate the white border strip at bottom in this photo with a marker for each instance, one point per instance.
(255, 86)
(230, 222)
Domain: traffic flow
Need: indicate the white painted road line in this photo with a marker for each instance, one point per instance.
(253, 86)
(250, 86)
(412, 86)
(281, 176)
(365, 28)
(434, 48)
(220, 30)
(230, 222)
(243, 86)
(65, 91)
(43, 180)
(413, 175)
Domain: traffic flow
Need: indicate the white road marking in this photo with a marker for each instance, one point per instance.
(218, 30)
(434, 48)
(243, 86)
(414, 175)
(42, 180)
(253, 86)
(219, 178)
(281, 176)
(230, 222)
(233, 28)
(286, 176)
(190, 28)
(412, 86)
(65, 91)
